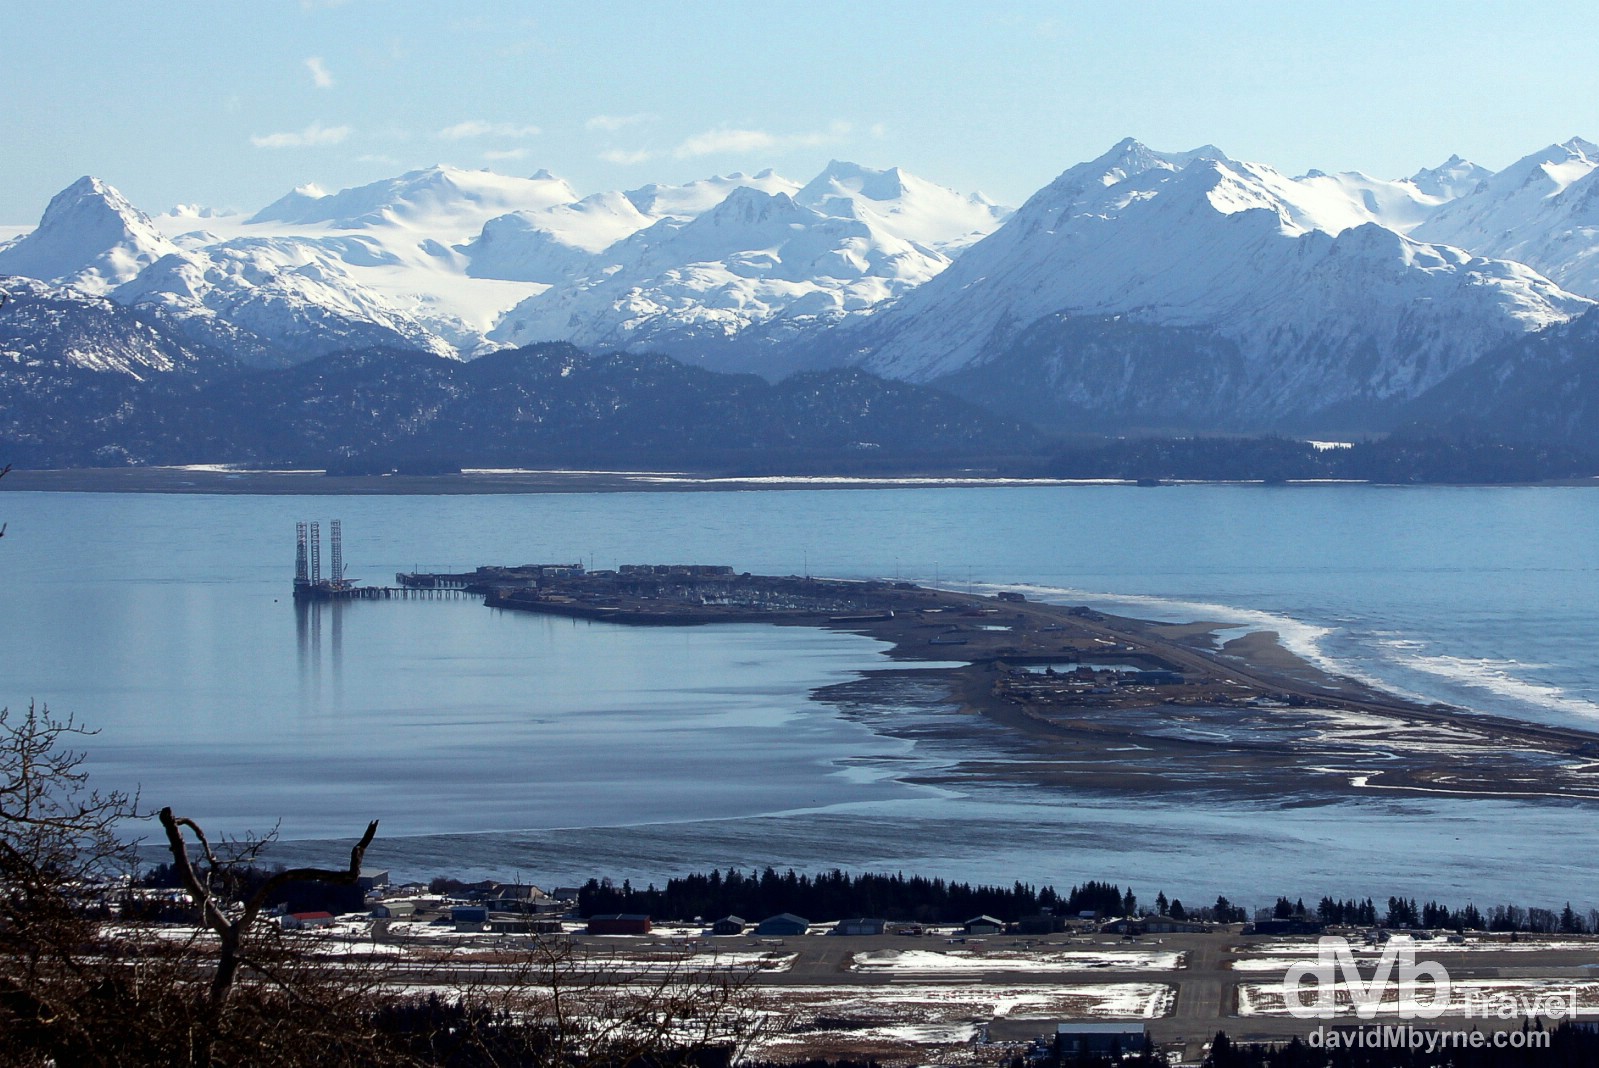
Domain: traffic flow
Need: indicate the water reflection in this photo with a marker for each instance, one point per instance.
(308, 627)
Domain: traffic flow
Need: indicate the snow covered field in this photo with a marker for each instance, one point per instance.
(917, 1000)
(1269, 956)
(966, 962)
(1484, 997)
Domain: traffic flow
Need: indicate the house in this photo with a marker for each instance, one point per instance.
(371, 880)
(301, 921)
(1074, 1039)
(1042, 923)
(860, 927)
(782, 925)
(729, 925)
(399, 909)
(619, 923)
(983, 925)
(1154, 925)
(518, 897)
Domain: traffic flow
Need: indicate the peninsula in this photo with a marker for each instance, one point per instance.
(1087, 700)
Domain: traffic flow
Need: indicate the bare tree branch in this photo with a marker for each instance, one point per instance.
(233, 932)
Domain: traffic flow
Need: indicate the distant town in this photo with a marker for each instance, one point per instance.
(1044, 976)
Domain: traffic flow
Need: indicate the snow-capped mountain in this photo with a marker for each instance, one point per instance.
(1337, 202)
(753, 260)
(448, 253)
(398, 240)
(901, 204)
(550, 245)
(264, 301)
(759, 267)
(53, 329)
(693, 199)
(1451, 179)
(558, 242)
(1193, 284)
(1200, 243)
(561, 242)
(272, 302)
(89, 238)
(437, 202)
(1542, 210)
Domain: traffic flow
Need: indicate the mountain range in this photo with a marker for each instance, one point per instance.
(1142, 290)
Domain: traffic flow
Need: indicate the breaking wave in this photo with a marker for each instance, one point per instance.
(1298, 637)
(1501, 678)
(1400, 666)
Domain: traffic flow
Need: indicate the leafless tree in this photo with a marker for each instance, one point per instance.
(59, 851)
(83, 984)
(232, 924)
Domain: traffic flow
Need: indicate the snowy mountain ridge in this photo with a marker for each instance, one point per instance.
(1319, 307)
(1311, 291)
(753, 259)
(435, 258)
(1542, 210)
(89, 238)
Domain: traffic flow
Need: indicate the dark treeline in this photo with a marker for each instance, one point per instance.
(1405, 912)
(1568, 1045)
(837, 894)
(1274, 459)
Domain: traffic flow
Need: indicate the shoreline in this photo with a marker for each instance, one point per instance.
(1318, 739)
(1115, 705)
(221, 479)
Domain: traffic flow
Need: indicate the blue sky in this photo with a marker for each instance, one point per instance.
(233, 104)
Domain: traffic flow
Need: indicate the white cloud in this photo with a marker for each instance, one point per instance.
(506, 153)
(479, 128)
(616, 155)
(612, 123)
(314, 134)
(320, 77)
(724, 140)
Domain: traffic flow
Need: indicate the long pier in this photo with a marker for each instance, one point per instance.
(385, 593)
(350, 592)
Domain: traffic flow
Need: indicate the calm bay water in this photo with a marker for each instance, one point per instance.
(499, 743)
